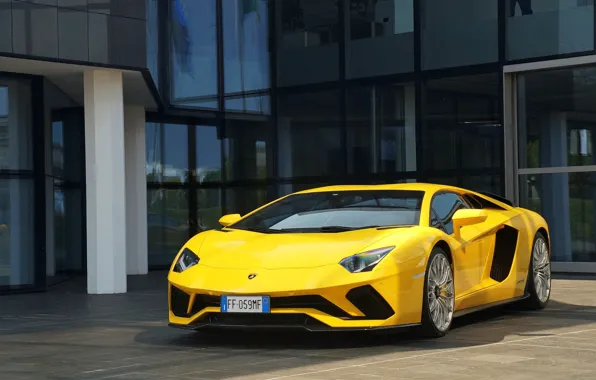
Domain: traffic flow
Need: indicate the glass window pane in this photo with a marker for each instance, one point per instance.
(34, 29)
(308, 35)
(246, 149)
(381, 38)
(566, 200)
(257, 104)
(208, 154)
(556, 124)
(16, 232)
(309, 120)
(209, 209)
(5, 26)
(381, 133)
(167, 223)
(459, 32)
(175, 158)
(246, 49)
(444, 206)
(15, 125)
(242, 200)
(544, 28)
(462, 123)
(194, 53)
(73, 36)
(153, 152)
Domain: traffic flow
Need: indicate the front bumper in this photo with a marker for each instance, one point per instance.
(377, 301)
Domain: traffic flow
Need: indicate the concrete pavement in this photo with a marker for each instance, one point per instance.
(66, 334)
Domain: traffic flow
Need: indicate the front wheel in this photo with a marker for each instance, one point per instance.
(439, 295)
(538, 285)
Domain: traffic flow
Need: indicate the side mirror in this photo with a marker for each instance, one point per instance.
(226, 220)
(467, 217)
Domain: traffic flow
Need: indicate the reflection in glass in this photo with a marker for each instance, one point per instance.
(309, 120)
(567, 202)
(459, 33)
(545, 28)
(16, 232)
(488, 183)
(208, 154)
(209, 209)
(167, 223)
(242, 200)
(381, 38)
(15, 126)
(167, 152)
(67, 252)
(246, 149)
(246, 50)
(257, 104)
(194, 53)
(308, 35)
(463, 128)
(556, 119)
(381, 133)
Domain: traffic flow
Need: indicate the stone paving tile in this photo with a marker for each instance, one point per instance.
(65, 334)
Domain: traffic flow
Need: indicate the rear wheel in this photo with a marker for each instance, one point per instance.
(439, 295)
(538, 284)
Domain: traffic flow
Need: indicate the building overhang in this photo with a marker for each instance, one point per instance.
(139, 88)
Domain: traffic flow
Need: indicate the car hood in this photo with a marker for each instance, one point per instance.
(237, 249)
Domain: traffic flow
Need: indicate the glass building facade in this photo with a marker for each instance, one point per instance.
(260, 98)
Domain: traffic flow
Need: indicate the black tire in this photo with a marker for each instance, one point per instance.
(533, 300)
(428, 328)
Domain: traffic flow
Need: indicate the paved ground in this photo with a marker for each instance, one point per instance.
(66, 334)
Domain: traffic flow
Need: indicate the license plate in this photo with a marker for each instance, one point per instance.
(245, 304)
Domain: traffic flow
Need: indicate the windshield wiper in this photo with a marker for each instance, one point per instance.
(336, 229)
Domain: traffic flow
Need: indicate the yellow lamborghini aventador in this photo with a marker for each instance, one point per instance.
(362, 257)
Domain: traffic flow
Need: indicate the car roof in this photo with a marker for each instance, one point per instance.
(415, 186)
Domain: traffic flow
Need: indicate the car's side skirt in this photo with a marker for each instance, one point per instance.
(475, 309)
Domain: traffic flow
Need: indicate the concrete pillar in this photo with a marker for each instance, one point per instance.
(104, 152)
(136, 191)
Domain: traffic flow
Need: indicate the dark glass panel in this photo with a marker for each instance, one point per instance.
(381, 133)
(246, 45)
(309, 134)
(194, 53)
(15, 125)
(209, 209)
(122, 8)
(381, 38)
(127, 38)
(153, 39)
(17, 260)
(567, 201)
(99, 36)
(208, 146)
(73, 34)
(308, 36)
(167, 223)
(542, 28)
(5, 26)
(35, 29)
(556, 118)
(246, 149)
(459, 33)
(462, 123)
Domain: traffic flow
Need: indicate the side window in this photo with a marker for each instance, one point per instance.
(443, 207)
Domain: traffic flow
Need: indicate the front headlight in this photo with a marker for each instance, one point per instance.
(186, 260)
(365, 261)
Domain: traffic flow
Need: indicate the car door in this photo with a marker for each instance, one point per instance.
(472, 249)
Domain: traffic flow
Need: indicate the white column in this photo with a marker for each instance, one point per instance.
(104, 153)
(136, 191)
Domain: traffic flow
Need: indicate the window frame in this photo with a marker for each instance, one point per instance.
(462, 195)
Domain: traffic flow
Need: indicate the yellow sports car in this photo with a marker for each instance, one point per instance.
(362, 257)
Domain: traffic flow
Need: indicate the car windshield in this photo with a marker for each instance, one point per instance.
(336, 212)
